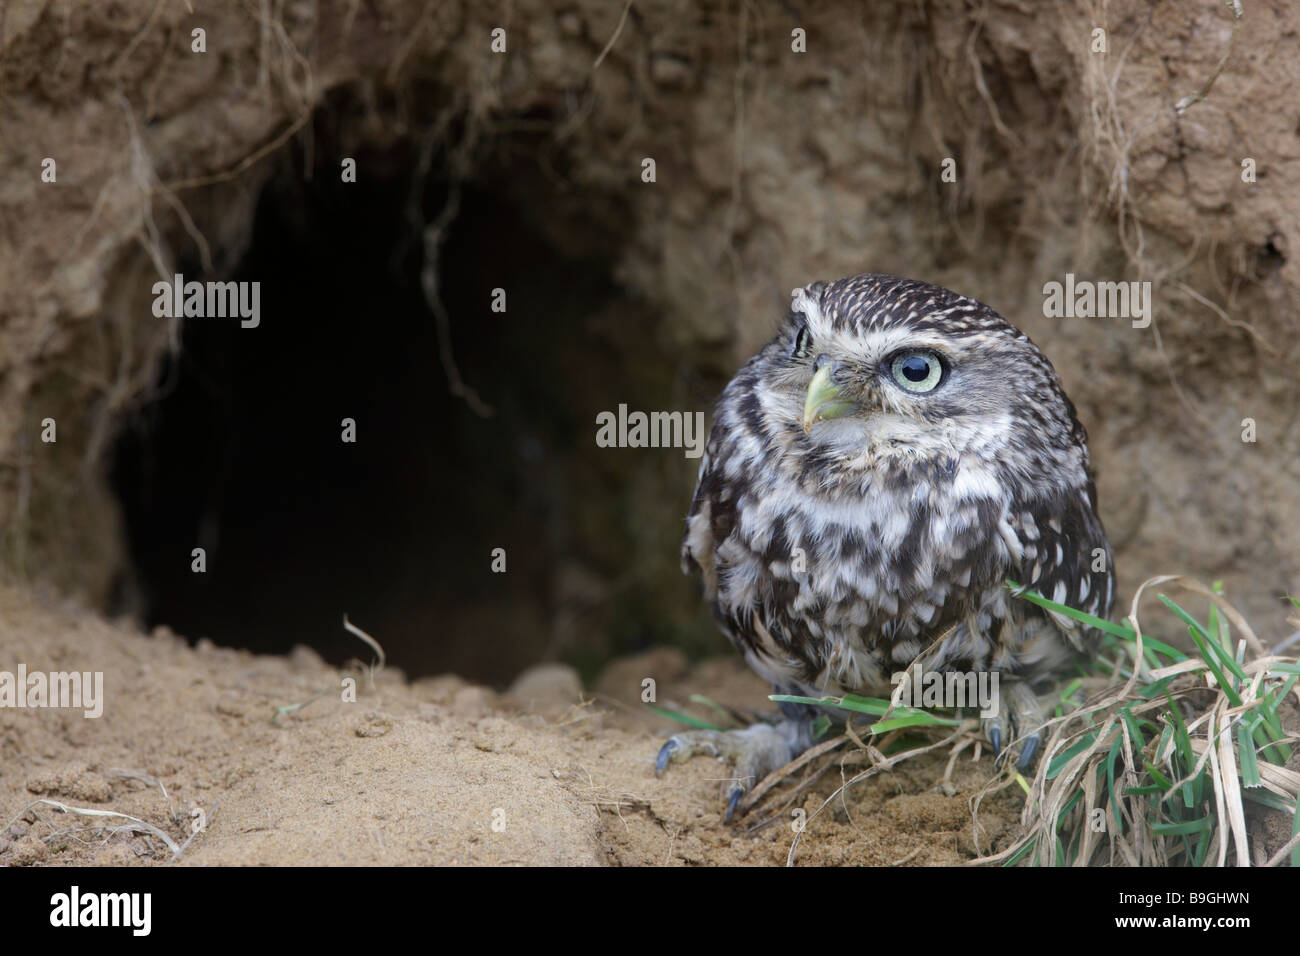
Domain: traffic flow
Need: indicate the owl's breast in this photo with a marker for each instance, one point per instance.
(808, 586)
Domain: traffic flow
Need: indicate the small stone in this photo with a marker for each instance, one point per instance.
(546, 688)
(471, 702)
(29, 850)
(77, 782)
(670, 70)
(569, 22)
(373, 725)
(624, 678)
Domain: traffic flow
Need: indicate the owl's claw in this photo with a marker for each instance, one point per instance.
(737, 792)
(1028, 746)
(1021, 717)
(665, 754)
(755, 752)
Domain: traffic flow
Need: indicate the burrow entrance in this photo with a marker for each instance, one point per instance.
(242, 452)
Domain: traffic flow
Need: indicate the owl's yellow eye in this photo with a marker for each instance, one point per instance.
(917, 371)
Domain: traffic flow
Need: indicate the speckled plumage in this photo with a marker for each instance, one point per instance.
(833, 557)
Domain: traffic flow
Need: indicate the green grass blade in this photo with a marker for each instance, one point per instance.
(1295, 828)
(714, 706)
(1187, 827)
(1207, 655)
(1111, 758)
(1060, 760)
(1224, 657)
(1084, 617)
(912, 720)
(1269, 799)
(899, 718)
(686, 719)
(859, 705)
(820, 726)
(1247, 758)
(1019, 854)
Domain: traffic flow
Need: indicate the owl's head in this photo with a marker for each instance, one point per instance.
(912, 371)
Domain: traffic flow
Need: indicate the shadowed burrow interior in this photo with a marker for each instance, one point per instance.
(241, 450)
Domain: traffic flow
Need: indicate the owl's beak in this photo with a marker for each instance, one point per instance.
(825, 399)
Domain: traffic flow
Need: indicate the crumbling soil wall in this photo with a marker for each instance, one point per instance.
(773, 167)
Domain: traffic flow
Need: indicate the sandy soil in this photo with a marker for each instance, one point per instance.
(432, 772)
(1070, 162)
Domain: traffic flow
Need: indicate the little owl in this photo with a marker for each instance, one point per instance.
(873, 478)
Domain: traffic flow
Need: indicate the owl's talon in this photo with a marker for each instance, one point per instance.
(1027, 755)
(665, 755)
(1021, 716)
(755, 752)
(732, 802)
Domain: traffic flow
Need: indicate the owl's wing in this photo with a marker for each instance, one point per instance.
(710, 520)
(1067, 558)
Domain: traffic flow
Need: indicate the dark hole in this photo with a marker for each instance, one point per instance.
(242, 455)
(1271, 255)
